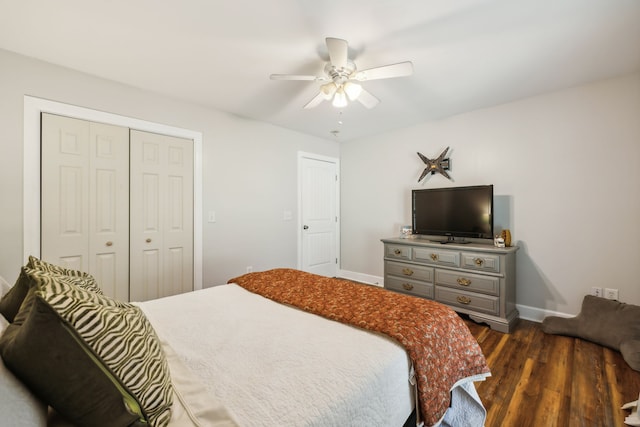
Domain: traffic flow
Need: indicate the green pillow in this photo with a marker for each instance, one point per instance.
(12, 300)
(95, 360)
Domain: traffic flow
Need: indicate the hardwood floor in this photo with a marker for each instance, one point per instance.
(549, 380)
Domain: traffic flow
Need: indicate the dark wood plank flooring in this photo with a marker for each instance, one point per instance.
(549, 380)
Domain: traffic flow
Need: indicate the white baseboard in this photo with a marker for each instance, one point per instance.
(361, 277)
(533, 314)
(538, 314)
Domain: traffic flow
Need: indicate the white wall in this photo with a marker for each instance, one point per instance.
(566, 173)
(249, 168)
(566, 170)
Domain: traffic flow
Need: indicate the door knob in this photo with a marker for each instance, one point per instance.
(305, 227)
(109, 243)
(148, 240)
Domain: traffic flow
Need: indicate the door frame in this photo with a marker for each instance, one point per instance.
(33, 107)
(306, 155)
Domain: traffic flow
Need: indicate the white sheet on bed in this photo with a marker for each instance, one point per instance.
(274, 365)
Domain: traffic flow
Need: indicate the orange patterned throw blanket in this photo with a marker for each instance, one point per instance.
(442, 349)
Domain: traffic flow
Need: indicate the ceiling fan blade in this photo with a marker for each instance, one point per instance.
(338, 51)
(315, 101)
(293, 77)
(400, 69)
(367, 99)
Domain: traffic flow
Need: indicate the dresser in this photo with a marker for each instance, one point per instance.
(476, 279)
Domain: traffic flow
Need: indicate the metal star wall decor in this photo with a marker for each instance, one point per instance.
(440, 165)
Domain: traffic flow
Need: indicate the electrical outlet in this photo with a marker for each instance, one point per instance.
(596, 292)
(611, 293)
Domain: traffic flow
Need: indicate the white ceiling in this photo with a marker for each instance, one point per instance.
(467, 54)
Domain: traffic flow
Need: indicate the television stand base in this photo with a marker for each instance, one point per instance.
(451, 239)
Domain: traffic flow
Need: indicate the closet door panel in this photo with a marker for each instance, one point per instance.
(179, 223)
(64, 194)
(161, 215)
(85, 199)
(109, 213)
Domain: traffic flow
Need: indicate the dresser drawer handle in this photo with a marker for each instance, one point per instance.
(407, 272)
(479, 262)
(407, 286)
(397, 252)
(464, 300)
(463, 281)
(434, 257)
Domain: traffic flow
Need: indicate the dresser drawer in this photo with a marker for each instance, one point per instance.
(468, 300)
(409, 286)
(480, 261)
(468, 281)
(437, 257)
(409, 271)
(398, 252)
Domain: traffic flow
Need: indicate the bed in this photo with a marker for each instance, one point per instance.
(275, 348)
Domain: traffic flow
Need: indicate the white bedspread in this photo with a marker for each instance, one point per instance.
(274, 365)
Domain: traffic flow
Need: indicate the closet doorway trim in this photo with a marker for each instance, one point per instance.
(33, 107)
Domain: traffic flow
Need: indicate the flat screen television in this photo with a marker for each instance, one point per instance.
(465, 212)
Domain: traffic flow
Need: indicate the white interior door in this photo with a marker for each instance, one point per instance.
(319, 215)
(109, 213)
(161, 217)
(65, 189)
(85, 199)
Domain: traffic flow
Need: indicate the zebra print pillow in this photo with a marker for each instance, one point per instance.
(12, 300)
(97, 361)
(89, 282)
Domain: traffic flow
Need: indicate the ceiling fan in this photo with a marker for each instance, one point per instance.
(343, 77)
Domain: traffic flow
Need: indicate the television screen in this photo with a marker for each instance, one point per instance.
(454, 212)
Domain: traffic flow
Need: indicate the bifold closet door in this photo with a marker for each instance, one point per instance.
(85, 200)
(161, 220)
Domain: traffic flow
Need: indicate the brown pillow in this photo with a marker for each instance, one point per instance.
(11, 301)
(95, 360)
(607, 322)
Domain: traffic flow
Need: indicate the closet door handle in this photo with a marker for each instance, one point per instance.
(109, 243)
(148, 240)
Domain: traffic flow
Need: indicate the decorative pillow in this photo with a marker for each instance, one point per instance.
(11, 301)
(104, 365)
(89, 282)
(630, 350)
(18, 405)
(4, 286)
(607, 322)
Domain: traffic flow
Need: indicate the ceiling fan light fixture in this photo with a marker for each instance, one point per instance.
(341, 79)
(328, 90)
(353, 90)
(340, 98)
